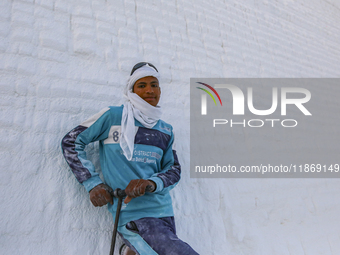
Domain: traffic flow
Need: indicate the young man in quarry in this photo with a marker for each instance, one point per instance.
(136, 151)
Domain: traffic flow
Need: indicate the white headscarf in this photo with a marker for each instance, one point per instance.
(137, 108)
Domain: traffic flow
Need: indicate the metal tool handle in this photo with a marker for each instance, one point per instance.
(120, 194)
(114, 233)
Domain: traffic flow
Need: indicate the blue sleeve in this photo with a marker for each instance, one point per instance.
(73, 144)
(170, 175)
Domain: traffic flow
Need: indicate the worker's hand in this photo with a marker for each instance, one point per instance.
(136, 188)
(100, 195)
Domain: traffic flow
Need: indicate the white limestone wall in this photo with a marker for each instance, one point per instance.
(62, 61)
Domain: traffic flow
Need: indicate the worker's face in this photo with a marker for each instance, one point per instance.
(148, 89)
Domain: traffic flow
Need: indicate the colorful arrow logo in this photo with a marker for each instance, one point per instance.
(207, 91)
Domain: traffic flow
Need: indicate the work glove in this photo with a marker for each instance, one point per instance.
(100, 195)
(136, 188)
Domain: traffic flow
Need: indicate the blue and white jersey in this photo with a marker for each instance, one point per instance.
(153, 159)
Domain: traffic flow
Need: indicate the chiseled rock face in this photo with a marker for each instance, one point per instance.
(62, 61)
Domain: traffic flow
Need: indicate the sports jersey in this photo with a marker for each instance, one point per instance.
(153, 159)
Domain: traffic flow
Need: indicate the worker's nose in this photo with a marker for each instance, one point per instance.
(149, 89)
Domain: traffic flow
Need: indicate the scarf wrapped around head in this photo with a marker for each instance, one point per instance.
(137, 108)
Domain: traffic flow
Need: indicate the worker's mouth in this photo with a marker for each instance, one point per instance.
(148, 99)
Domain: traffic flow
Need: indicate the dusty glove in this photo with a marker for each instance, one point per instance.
(100, 195)
(136, 188)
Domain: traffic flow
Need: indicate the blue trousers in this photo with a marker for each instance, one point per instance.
(154, 236)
